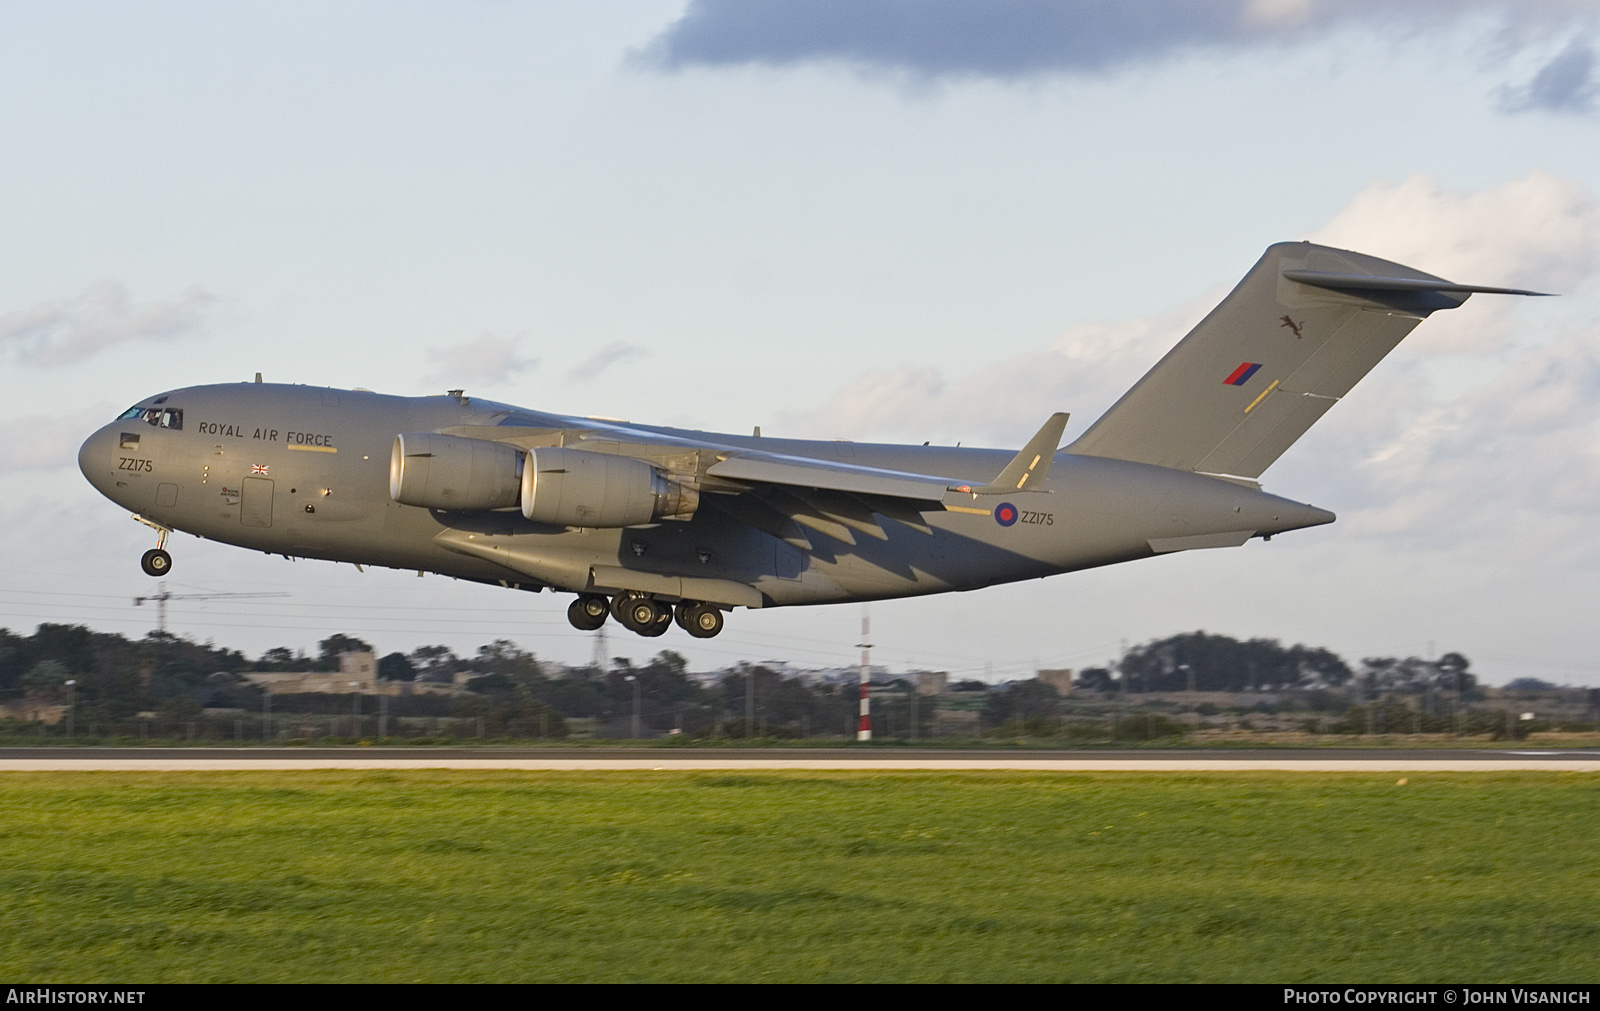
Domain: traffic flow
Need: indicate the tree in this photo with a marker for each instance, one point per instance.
(1414, 675)
(1023, 701)
(1453, 674)
(180, 709)
(1530, 685)
(1222, 663)
(504, 657)
(282, 658)
(45, 680)
(336, 644)
(435, 663)
(395, 667)
(1094, 679)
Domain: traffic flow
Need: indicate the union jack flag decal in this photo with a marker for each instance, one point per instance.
(259, 468)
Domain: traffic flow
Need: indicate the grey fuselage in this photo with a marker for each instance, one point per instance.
(319, 465)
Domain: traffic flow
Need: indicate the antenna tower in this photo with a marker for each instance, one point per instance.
(864, 728)
(165, 595)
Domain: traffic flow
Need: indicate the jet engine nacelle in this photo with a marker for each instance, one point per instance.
(574, 488)
(449, 472)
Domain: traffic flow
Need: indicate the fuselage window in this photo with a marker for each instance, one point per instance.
(164, 418)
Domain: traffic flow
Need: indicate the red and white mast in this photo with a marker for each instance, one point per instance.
(864, 728)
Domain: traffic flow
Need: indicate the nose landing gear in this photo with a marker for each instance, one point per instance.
(156, 561)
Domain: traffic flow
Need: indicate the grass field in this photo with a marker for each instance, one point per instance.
(506, 876)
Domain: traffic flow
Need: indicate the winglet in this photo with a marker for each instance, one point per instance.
(1032, 465)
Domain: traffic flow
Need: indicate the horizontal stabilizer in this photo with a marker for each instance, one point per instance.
(1367, 282)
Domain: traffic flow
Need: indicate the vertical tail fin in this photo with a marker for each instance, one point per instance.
(1293, 337)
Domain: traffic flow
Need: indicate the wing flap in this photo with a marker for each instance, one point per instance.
(778, 469)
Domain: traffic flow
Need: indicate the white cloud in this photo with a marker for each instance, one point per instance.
(1513, 456)
(69, 330)
(1082, 372)
(1540, 232)
(50, 442)
(484, 360)
(614, 353)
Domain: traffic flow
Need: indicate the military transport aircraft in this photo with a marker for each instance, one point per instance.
(649, 524)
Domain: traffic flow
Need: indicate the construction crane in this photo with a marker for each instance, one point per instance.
(165, 595)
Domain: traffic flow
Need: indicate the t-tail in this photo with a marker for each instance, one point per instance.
(1297, 333)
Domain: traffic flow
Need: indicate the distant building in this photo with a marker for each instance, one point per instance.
(956, 722)
(31, 710)
(1060, 680)
(358, 672)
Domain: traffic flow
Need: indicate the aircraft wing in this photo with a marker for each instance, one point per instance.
(801, 472)
(741, 464)
(790, 497)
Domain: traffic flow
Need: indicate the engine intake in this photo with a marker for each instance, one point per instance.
(449, 472)
(574, 488)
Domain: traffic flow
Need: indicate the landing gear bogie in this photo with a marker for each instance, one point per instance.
(703, 621)
(647, 616)
(642, 615)
(588, 612)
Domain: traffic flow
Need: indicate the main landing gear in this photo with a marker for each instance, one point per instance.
(588, 612)
(700, 620)
(156, 561)
(644, 615)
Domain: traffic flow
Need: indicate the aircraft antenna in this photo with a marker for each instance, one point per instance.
(864, 728)
(165, 595)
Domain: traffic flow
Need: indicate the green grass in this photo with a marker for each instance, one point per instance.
(505, 876)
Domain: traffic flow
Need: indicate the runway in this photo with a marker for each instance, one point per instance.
(854, 759)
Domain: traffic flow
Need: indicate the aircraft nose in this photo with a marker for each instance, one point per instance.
(94, 458)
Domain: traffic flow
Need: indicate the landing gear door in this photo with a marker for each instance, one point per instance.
(255, 502)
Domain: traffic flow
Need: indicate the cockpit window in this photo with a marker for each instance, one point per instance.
(163, 418)
(160, 417)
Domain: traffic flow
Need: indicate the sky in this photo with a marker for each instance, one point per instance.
(894, 220)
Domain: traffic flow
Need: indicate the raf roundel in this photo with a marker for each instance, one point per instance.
(1005, 514)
